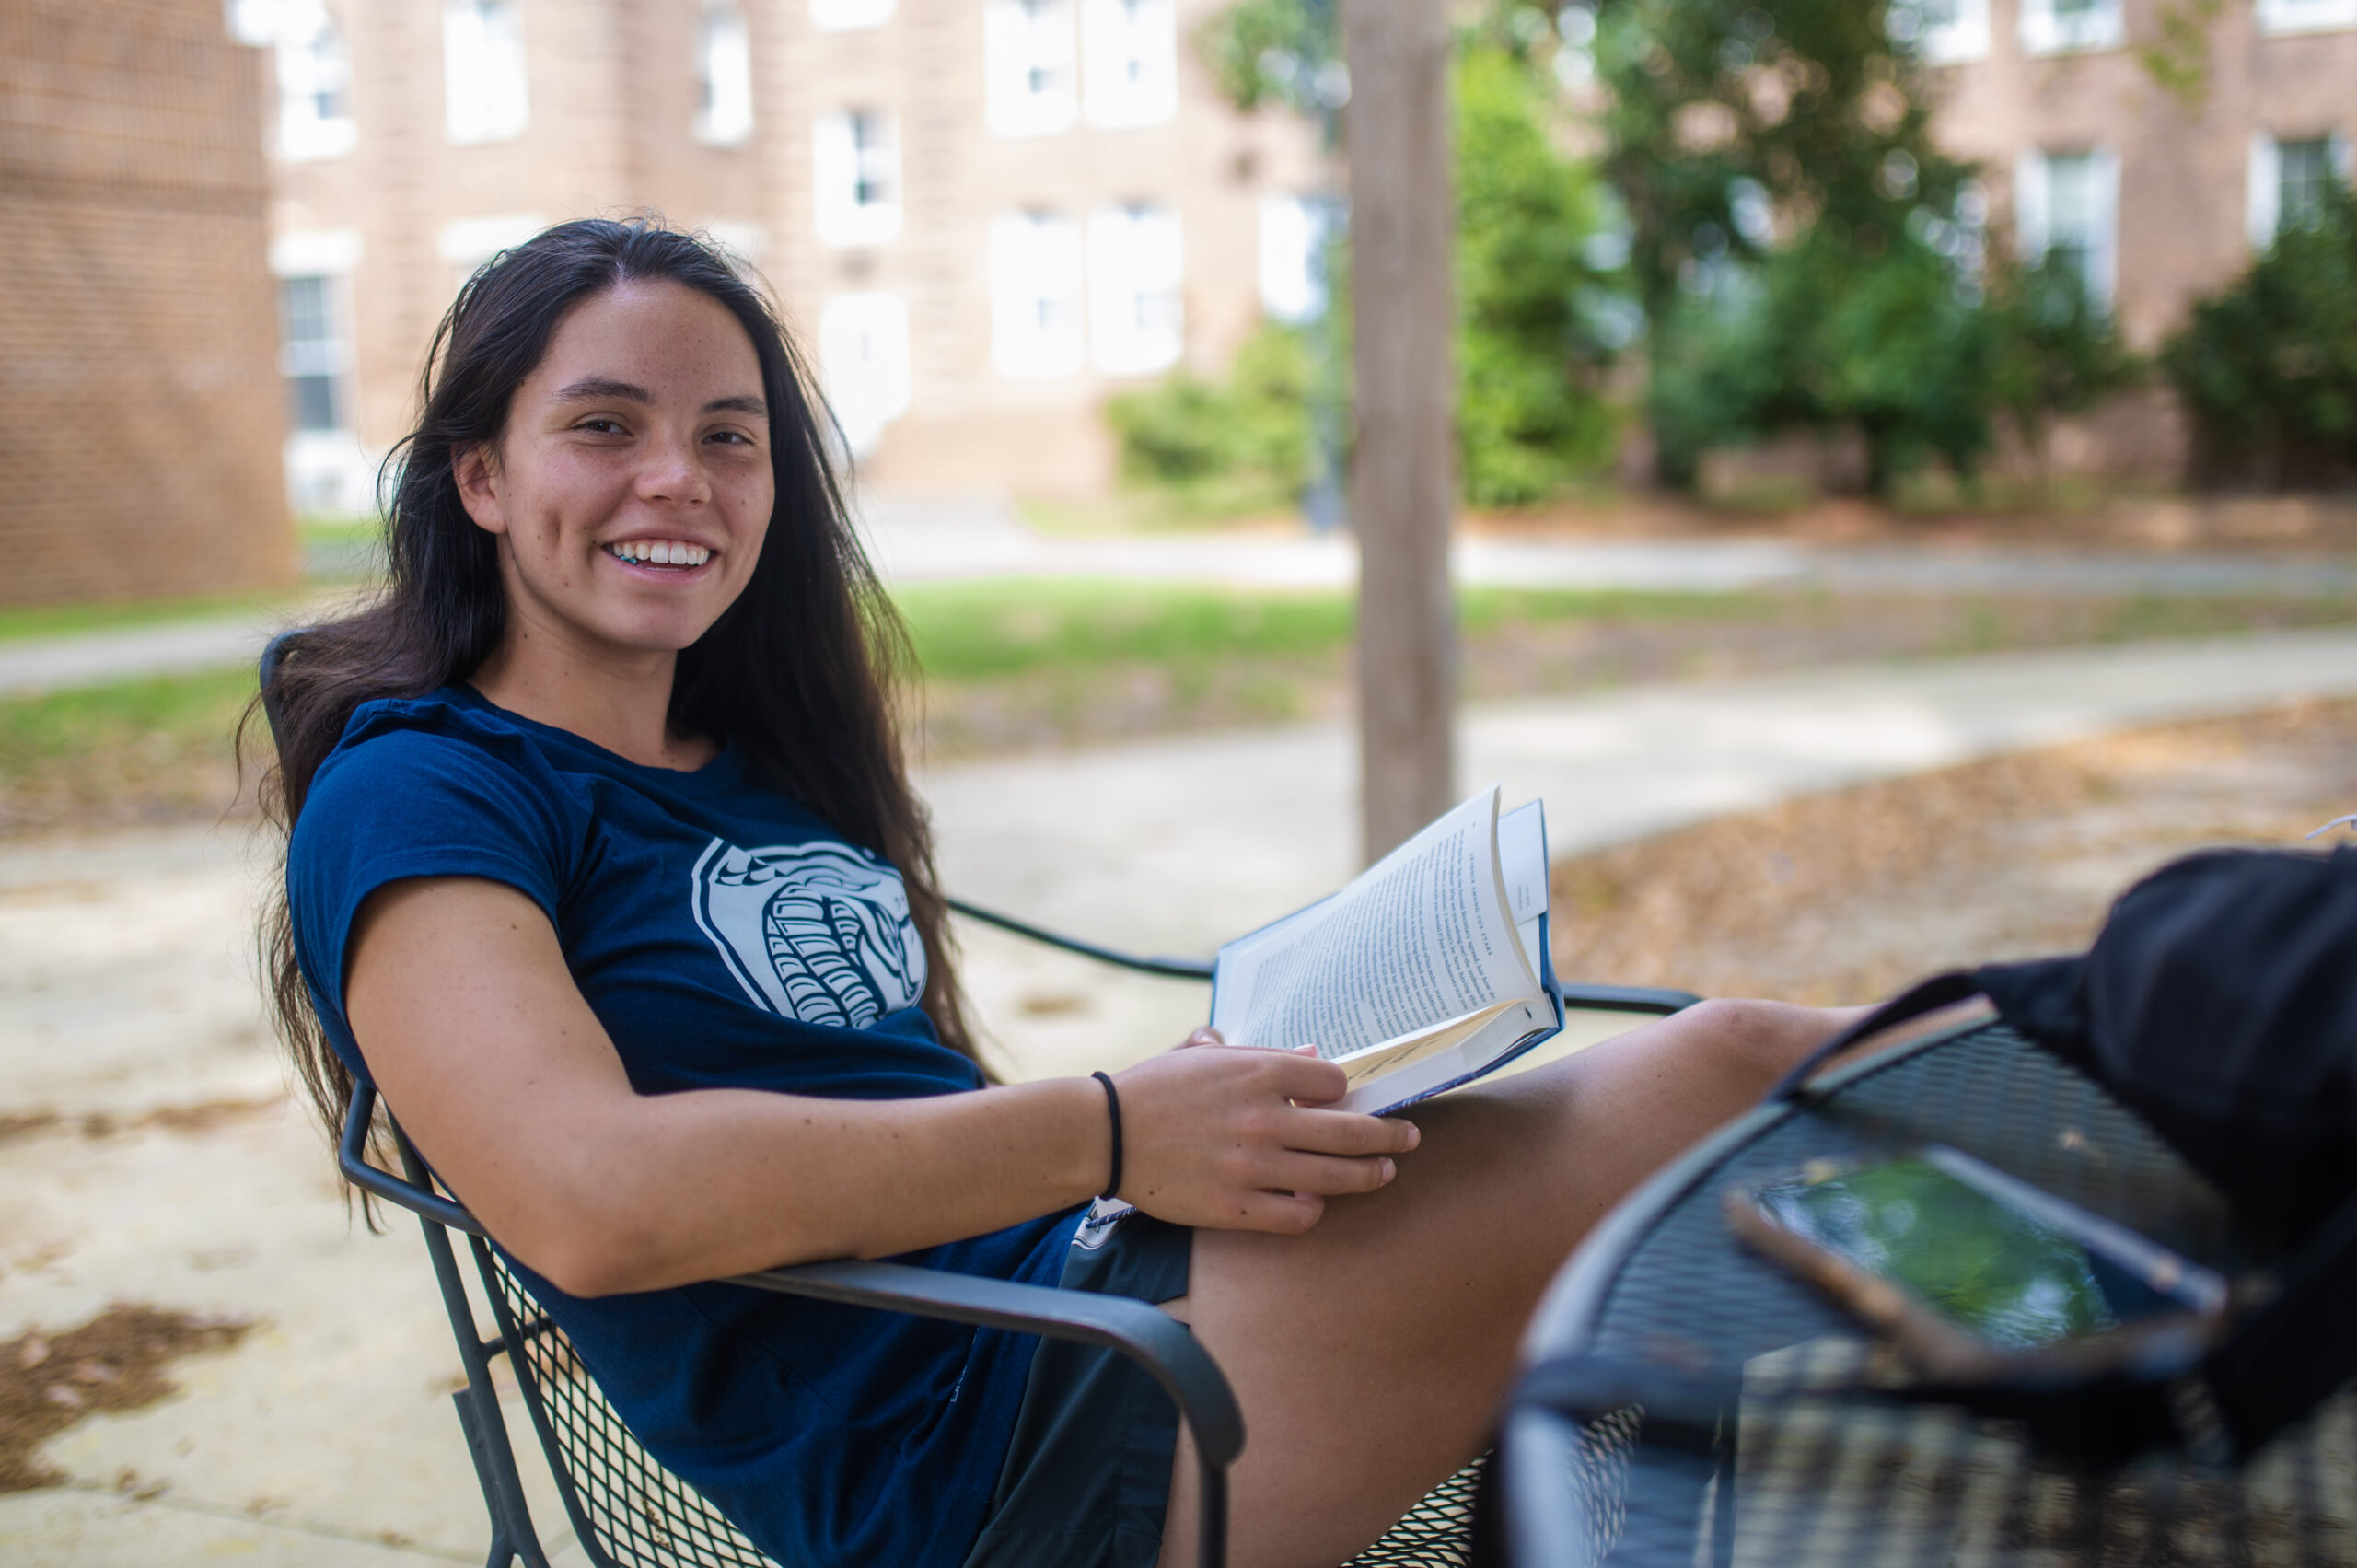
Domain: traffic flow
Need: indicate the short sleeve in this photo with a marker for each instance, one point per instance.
(409, 803)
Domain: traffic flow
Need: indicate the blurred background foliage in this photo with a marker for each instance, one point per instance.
(1726, 221)
(2268, 369)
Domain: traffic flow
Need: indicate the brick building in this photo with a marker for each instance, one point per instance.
(979, 215)
(140, 406)
(2160, 196)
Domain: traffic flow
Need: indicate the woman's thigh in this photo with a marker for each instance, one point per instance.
(1370, 1354)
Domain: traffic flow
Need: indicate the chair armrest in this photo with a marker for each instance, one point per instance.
(1625, 998)
(1172, 969)
(1146, 1334)
(351, 1158)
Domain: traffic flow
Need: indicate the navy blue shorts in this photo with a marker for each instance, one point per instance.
(1087, 1474)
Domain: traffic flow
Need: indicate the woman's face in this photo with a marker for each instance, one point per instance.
(631, 488)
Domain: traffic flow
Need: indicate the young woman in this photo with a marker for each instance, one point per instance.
(602, 865)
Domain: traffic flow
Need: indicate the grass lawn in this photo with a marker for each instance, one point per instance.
(1025, 663)
(120, 755)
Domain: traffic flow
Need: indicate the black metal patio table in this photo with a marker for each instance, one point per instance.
(1757, 1475)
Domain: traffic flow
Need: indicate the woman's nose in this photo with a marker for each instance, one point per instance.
(672, 474)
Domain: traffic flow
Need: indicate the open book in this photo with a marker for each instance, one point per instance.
(1427, 971)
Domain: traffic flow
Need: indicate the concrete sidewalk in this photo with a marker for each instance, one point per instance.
(327, 1438)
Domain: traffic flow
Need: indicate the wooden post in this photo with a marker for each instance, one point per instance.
(1402, 481)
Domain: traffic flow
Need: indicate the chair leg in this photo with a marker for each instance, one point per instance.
(512, 1536)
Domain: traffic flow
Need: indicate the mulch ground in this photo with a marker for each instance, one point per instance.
(1845, 896)
(115, 1362)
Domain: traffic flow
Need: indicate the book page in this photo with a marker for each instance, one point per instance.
(1421, 937)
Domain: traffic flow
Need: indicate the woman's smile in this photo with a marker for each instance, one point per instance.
(666, 555)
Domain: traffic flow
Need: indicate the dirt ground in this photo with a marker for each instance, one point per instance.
(1845, 896)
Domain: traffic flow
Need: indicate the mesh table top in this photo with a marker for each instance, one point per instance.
(1824, 1481)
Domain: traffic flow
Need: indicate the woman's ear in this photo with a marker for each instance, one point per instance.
(476, 471)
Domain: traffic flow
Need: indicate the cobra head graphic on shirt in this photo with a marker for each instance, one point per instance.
(818, 931)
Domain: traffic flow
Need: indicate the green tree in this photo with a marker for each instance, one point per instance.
(1239, 444)
(1539, 320)
(2268, 369)
(1536, 327)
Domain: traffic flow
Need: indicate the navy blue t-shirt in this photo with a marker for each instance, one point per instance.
(726, 937)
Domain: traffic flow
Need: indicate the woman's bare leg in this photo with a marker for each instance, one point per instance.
(1370, 1354)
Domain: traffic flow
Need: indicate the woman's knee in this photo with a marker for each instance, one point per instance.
(1755, 1039)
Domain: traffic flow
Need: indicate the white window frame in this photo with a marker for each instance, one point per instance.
(1037, 295)
(1293, 231)
(2279, 17)
(2263, 197)
(853, 148)
(1129, 62)
(1964, 37)
(1137, 277)
(849, 15)
(1030, 67)
(326, 471)
(470, 242)
(863, 364)
(724, 72)
(2044, 32)
(305, 135)
(486, 76)
(743, 243)
(2033, 216)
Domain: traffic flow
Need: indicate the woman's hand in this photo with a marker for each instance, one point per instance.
(1236, 1139)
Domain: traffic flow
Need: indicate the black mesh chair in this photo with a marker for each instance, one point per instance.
(627, 1511)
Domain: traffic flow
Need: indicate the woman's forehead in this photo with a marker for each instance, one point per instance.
(658, 338)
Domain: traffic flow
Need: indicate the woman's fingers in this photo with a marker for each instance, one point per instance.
(1242, 1139)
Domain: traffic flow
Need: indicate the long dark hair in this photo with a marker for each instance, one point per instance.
(799, 672)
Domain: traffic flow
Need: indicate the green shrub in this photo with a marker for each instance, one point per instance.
(1237, 445)
(2266, 370)
(1896, 343)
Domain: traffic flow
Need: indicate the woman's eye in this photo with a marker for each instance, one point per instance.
(601, 426)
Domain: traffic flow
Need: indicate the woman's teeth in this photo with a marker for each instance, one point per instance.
(660, 553)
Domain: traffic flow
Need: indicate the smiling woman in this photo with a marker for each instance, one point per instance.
(602, 865)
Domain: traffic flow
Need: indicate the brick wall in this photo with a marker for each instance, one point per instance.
(140, 403)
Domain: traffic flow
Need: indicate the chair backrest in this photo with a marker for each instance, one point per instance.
(627, 1510)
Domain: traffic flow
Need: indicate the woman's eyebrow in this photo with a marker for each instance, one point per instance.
(743, 403)
(605, 387)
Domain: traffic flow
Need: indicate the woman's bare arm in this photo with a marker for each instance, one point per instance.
(480, 1041)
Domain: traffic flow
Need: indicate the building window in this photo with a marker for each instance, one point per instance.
(1293, 231)
(1135, 315)
(1942, 32)
(311, 352)
(2058, 26)
(483, 86)
(1028, 66)
(855, 155)
(2066, 208)
(2306, 15)
(847, 16)
(724, 76)
(327, 472)
(863, 364)
(1035, 295)
(1132, 51)
(314, 85)
(469, 243)
(2289, 181)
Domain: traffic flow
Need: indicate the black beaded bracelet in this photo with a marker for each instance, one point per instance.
(1112, 1110)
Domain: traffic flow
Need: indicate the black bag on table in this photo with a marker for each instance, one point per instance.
(2219, 1004)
